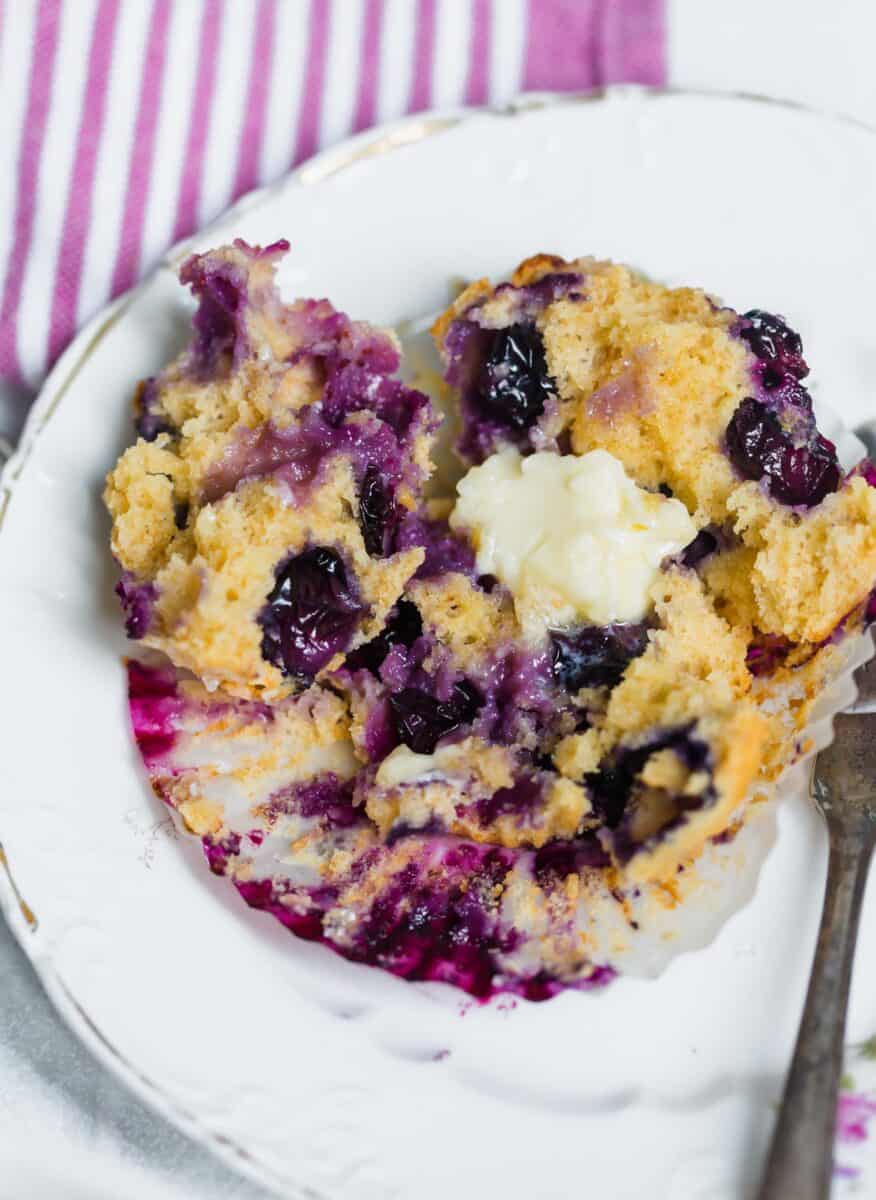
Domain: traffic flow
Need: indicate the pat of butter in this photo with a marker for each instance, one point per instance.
(572, 537)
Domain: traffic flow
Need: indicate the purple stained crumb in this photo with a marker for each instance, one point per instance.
(363, 414)
(445, 550)
(311, 614)
(222, 288)
(352, 387)
(367, 419)
(263, 894)
(297, 453)
(324, 798)
(511, 697)
(217, 851)
(626, 393)
(137, 601)
(531, 299)
(432, 827)
(150, 419)
(431, 922)
(519, 696)
(219, 323)
(330, 336)
(155, 706)
(521, 799)
(436, 919)
(767, 654)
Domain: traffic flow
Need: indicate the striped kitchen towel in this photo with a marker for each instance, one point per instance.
(127, 124)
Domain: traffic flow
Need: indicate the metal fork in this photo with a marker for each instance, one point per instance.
(844, 784)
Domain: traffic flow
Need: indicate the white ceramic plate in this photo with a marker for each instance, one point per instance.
(326, 1078)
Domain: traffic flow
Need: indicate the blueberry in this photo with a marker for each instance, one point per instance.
(787, 393)
(150, 419)
(704, 544)
(378, 514)
(514, 382)
(445, 550)
(311, 613)
(421, 720)
(759, 447)
(610, 790)
(402, 628)
(612, 785)
(137, 600)
(770, 339)
(596, 656)
(326, 798)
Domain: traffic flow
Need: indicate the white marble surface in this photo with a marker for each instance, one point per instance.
(60, 1112)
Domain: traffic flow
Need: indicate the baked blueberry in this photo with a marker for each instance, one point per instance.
(421, 719)
(596, 656)
(760, 449)
(514, 383)
(311, 614)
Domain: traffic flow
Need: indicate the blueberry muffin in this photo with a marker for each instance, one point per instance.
(705, 405)
(254, 518)
(490, 738)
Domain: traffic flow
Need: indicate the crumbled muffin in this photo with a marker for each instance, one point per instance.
(708, 406)
(276, 456)
(481, 739)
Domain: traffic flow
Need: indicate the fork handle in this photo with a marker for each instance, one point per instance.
(800, 1162)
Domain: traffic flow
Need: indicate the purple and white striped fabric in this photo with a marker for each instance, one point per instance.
(126, 124)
